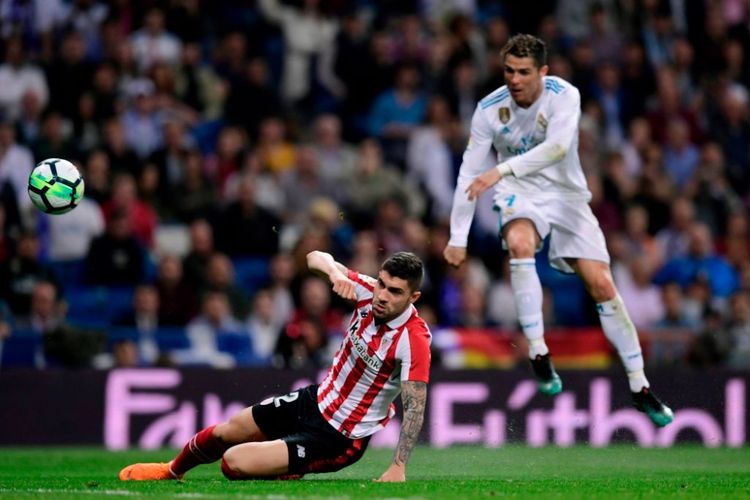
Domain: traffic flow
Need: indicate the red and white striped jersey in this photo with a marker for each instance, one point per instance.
(357, 395)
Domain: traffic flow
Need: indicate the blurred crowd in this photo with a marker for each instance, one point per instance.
(222, 141)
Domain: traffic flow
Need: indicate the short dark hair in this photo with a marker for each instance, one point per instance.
(526, 46)
(407, 266)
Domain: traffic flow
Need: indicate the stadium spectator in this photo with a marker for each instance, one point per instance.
(700, 263)
(429, 158)
(201, 248)
(673, 239)
(54, 140)
(198, 85)
(16, 163)
(177, 298)
(116, 257)
(20, 274)
(193, 196)
(640, 296)
(308, 33)
(397, 112)
(251, 98)
(144, 319)
(276, 151)
(372, 182)
(264, 326)
(304, 341)
(17, 77)
(28, 124)
(153, 43)
(97, 176)
(220, 278)
(245, 228)
(203, 331)
(739, 330)
(142, 119)
(282, 272)
(141, 216)
(303, 184)
(337, 159)
(71, 72)
(70, 237)
(681, 157)
(64, 345)
(122, 158)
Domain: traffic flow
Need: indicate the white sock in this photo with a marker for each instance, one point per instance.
(527, 290)
(621, 332)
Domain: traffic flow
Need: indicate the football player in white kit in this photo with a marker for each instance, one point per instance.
(540, 190)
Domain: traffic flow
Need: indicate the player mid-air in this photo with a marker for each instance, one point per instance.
(323, 428)
(540, 190)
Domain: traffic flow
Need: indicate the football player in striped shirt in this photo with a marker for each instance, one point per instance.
(541, 190)
(325, 427)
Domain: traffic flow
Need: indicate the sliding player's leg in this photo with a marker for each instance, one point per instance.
(277, 417)
(205, 447)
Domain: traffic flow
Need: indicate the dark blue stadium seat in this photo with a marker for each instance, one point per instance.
(121, 334)
(69, 273)
(250, 273)
(21, 350)
(238, 345)
(97, 306)
(172, 338)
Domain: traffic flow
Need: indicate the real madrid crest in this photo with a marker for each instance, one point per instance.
(504, 114)
(541, 121)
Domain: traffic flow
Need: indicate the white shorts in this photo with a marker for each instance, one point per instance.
(571, 225)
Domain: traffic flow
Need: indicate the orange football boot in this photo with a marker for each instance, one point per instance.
(147, 472)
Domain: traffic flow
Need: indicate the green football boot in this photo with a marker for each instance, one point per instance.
(647, 402)
(548, 381)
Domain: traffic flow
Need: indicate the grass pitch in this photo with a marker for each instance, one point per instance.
(515, 471)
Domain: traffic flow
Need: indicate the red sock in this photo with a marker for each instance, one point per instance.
(203, 448)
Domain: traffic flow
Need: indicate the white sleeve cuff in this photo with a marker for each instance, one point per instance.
(504, 169)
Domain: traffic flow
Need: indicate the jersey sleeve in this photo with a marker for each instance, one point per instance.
(364, 285)
(562, 129)
(480, 145)
(414, 352)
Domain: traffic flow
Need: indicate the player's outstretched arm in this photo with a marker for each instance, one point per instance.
(323, 263)
(414, 399)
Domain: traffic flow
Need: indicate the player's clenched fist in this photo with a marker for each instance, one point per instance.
(455, 256)
(344, 287)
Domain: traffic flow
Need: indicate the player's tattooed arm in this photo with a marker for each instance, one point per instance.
(414, 399)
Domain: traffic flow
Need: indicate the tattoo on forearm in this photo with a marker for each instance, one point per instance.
(414, 398)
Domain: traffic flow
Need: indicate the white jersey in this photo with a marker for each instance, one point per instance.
(539, 143)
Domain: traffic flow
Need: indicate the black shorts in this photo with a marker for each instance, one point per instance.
(313, 445)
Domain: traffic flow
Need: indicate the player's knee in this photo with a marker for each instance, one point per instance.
(602, 288)
(230, 471)
(520, 248)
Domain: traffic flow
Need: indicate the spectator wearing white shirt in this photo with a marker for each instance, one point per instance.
(17, 77)
(153, 43)
(16, 163)
(71, 236)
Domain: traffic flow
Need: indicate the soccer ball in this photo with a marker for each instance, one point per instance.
(55, 186)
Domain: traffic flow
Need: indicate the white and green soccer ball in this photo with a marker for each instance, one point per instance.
(55, 186)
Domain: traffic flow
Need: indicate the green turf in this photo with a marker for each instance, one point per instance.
(580, 472)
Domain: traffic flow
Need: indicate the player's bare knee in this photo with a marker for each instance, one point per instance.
(602, 288)
(520, 249)
(230, 468)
